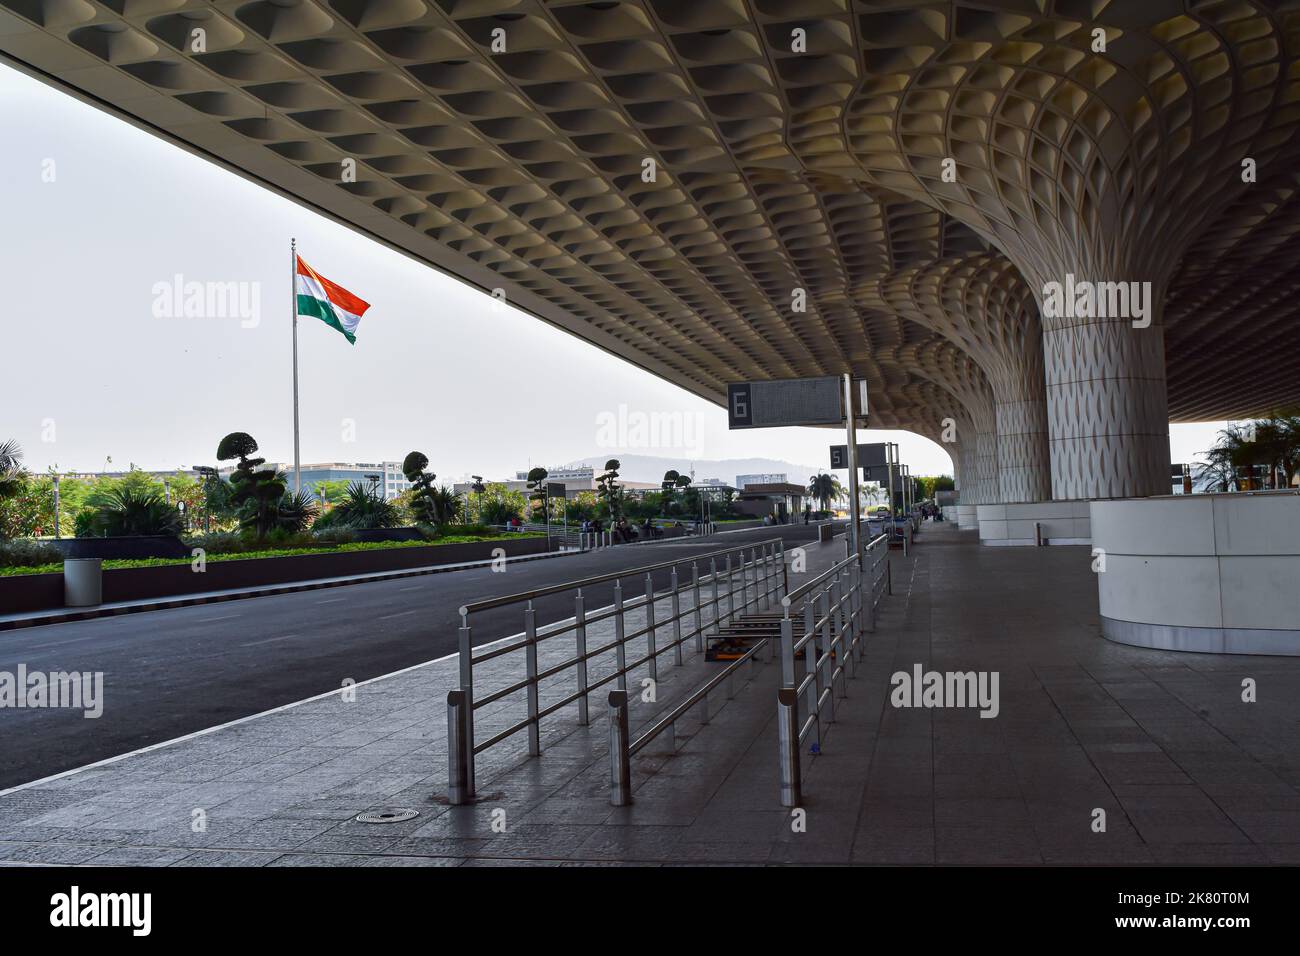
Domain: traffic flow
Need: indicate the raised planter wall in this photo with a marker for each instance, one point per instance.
(1211, 573)
(40, 592)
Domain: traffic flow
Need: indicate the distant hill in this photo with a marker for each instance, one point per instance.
(652, 468)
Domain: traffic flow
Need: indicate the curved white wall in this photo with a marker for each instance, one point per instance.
(1213, 573)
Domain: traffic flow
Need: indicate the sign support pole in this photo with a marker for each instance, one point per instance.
(851, 427)
(890, 457)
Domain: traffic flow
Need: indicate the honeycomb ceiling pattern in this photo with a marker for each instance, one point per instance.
(777, 171)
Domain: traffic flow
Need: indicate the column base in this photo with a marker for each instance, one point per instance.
(1203, 640)
(1210, 573)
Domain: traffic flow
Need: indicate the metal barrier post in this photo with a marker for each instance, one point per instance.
(620, 651)
(457, 766)
(580, 639)
(859, 624)
(810, 662)
(731, 593)
(467, 685)
(787, 651)
(840, 596)
(787, 729)
(826, 645)
(530, 663)
(699, 611)
(717, 602)
(871, 603)
(620, 766)
(677, 619)
(651, 648)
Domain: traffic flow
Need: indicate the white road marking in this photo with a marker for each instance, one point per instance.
(269, 640)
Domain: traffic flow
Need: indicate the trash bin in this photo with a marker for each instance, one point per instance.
(825, 532)
(83, 581)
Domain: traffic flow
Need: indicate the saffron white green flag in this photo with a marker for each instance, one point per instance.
(331, 303)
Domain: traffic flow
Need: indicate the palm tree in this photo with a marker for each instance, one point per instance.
(363, 508)
(1277, 440)
(446, 504)
(825, 488)
(11, 469)
(297, 511)
(127, 511)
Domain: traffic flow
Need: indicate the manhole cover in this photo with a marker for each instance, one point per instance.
(388, 815)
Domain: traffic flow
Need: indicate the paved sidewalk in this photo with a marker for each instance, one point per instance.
(1184, 771)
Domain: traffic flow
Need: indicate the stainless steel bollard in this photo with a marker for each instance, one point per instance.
(787, 729)
(83, 582)
(620, 765)
(458, 790)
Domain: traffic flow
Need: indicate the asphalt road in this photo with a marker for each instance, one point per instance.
(172, 672)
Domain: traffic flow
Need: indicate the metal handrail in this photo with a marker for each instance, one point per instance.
(621, 750)
(648, 735)
(488, 603)
(760, 579)
(831, 644)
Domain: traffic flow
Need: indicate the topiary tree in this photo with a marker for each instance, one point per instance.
(668, 490)
(609, 490)
(255, 491)
(424, 505)
(537, 497)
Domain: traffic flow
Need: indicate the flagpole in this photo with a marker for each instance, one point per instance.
(293, 302)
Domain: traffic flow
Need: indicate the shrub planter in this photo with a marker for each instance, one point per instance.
(132, 547)
(39, 592)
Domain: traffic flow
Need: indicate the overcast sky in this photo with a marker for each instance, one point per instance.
(99, 217)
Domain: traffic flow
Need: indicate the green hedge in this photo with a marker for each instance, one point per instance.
(109, 565)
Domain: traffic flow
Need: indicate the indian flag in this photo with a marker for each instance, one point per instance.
(331, 303)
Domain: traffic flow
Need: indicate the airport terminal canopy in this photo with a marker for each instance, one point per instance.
(734, 190)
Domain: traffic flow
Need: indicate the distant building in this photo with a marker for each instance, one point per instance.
(779, 498)
(573, 477)
(391, 480)
(465, 487)
(772, 478)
